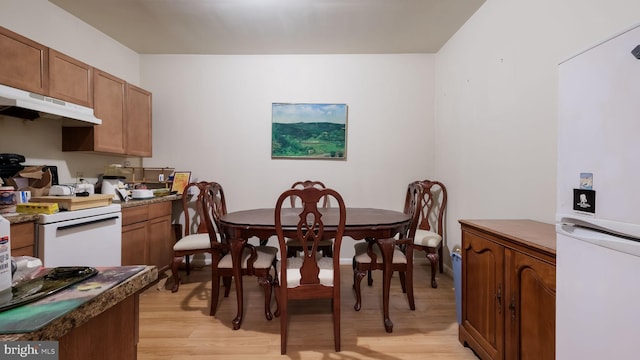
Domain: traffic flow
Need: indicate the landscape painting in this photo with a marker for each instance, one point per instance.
(309, 131)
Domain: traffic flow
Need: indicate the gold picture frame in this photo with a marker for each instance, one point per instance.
(180, 180)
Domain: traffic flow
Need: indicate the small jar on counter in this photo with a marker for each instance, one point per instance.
(7, 199)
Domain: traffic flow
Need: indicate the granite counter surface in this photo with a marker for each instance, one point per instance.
(159, 199)
(92, 308)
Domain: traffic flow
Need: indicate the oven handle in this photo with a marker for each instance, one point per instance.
(86, 223)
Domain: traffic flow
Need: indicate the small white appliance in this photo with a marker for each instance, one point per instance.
(598, 229)
(110, 185)
(87, 237)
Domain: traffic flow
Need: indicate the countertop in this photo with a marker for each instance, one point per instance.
(133, 202)
(90, 309)
(16, 218)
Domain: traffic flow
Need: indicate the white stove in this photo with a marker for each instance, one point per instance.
(87, 237)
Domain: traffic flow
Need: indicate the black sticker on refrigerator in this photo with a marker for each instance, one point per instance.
(584, 200)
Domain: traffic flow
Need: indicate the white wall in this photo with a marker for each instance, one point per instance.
(496, 103)
(212, 116)
(40, 141)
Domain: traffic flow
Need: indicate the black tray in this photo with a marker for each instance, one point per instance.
(51, 282)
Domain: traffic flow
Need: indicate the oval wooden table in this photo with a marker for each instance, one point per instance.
(362, 223)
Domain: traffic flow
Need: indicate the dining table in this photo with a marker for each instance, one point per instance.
(379, 225)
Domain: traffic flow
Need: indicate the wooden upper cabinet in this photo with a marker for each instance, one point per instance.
(109, 106)
(70, 80)
(24, 64)
(138, 121)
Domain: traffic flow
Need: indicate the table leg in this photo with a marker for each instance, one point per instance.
(237, 246)
(386, 248)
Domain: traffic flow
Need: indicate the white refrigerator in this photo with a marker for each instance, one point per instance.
(598, 202)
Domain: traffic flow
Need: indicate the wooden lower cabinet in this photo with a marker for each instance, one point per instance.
(147, 237)
(22, 239)
(508, 289)
(110, 335)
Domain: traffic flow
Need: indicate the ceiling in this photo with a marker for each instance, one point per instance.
(276, 26)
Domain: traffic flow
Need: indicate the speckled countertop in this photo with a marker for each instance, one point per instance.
(94, 307)
(15, 218)
(133, 202)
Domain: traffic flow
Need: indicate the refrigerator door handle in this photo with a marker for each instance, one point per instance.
(613, 242)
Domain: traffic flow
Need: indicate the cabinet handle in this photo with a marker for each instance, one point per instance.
(512, 308)
(499, 299)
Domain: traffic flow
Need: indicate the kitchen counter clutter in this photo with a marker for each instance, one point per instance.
(16, 218)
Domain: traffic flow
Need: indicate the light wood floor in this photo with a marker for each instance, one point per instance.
(177, 325)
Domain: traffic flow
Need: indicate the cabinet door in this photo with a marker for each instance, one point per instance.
(138, 121)
(22, 239)
(483, 293)
(531, 308)
(134, 244)
(160, 242)
(69, 79)
(24, 64)
(108, 101)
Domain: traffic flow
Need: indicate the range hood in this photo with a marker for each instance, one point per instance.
(27, 105)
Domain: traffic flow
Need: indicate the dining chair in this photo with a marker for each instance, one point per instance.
(255, 261)
(194, 239)
(310, 276)
(293, 244)
(429, 232)
(368, 256)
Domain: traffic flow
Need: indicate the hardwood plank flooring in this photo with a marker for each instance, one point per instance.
(177, 325)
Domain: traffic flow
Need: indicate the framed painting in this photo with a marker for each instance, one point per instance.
(180, 180)
(309, 131)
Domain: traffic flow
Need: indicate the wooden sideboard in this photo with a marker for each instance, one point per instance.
(508, 289)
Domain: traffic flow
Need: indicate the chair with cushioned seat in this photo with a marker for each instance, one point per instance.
(309, 276)
(195, 239)
(368, 256)
(256, 260)
(293, 245)
(429, 233)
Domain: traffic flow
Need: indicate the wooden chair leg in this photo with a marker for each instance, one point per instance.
(403, 283)
(409, 279)
(265, 282)
(283, 330)
(174, 273)
(336, 324)
(215, 291)
(327, 251)
(357, 279)
(226, 281)
(432, 255)
(292, 251)
(441, 261)
(276, 293)
(188, 267)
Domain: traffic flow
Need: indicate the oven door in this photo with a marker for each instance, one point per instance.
(88, 241)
